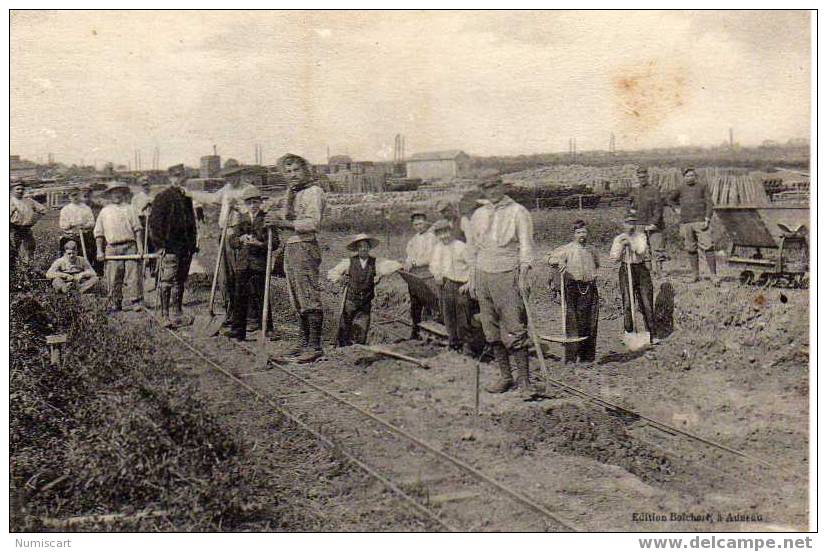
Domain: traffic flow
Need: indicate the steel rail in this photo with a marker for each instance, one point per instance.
(390, 485)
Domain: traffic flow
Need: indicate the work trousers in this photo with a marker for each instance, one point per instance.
(419, 305)
(65, 286)
(228, 274)
(21, 244)
(301, 266)
(644, 295)
(120, 273)
(456, 314)
(502, 311)
(249, 290)
(355, 323)
(175, 268)
(582, 307)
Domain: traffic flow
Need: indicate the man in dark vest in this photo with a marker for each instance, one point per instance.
(173, 232)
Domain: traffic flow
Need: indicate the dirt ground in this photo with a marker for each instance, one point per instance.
(734, 370)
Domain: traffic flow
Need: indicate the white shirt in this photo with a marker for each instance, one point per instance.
(420, 248)
(308, 208)
(223, 197)
(450, 262)
(117, 223)
(76, 216)
(140, 201)
(501, 236)
(384, 267)
(24, 212)
(638, 250)
(581, 262)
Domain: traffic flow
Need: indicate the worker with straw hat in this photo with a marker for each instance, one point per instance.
(358, 276)
(501, 251)
(118, 232)
(631, 248)
(578, 263)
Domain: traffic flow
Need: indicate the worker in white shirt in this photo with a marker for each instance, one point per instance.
(118, 232)
(578, 262)
(449, 265)
(418, 253)
(76, 220)
(24, 212)
(501, 251)
(71, 271)
(632, 248)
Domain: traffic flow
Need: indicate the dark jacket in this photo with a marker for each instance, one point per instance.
(172, 222)
(649, 205)
(694, 201)
(361, 287)
(251, 257)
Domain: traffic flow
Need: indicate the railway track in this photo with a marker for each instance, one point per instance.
(354, 428)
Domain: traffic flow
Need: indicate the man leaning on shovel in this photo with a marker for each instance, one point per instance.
(501, 250)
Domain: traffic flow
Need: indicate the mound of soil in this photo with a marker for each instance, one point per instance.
(572, 429)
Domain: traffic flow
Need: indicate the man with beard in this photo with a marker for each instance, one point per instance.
(173, 232)
(301, 219)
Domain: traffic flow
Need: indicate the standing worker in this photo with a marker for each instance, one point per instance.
(76, 220)
(174, 235)
(23, 213)
(118, 232)
(141, 200)
(302, 218)
(249, 240)
(358, 276)
(87, 198)
(630, 248)
(693, 202)
(647, 201)
(418, 253)
(501, 250)
(578, 263)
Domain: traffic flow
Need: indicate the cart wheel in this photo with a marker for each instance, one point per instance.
(747, 277)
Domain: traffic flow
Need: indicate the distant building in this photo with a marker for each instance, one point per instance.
(20, 169)
(438, 164)
(210, 166)
(339, 163)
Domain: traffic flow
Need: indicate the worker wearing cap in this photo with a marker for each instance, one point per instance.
(118, 232)
(418, 253)
(648, 203)
(248, 239)
(174, 235)
(358, 275)
(24, 212)
(693, 202)
(578, 262)
(449, 265)
(501, 250)
(301, 218)
(71, 271)
(76, 220)
(631, 248)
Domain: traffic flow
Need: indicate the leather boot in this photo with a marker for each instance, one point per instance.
(164, 294)
(304, 338)
(523, 381)
(693, 264)
(314, 350)
(180, 319)
(505, 382)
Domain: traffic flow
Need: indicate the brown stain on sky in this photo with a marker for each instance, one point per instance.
(647, 95)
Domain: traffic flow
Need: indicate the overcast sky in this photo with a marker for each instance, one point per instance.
(99, 85)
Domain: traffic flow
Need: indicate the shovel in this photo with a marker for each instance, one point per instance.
(564, 337)
(634, 341)
(266, 302)
(208, 325)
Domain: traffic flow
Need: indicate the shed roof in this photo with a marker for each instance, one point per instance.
(437, 155)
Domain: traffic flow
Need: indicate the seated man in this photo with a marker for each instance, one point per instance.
(72, 271)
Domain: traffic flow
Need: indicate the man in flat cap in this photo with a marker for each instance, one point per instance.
(301, 218)
(501, 252)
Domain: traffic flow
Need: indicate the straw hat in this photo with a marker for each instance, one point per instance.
(115, 186)
(351, 245)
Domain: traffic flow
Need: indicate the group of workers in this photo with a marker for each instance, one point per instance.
(476, 256)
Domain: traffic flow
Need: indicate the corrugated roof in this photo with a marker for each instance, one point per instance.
(436, 155)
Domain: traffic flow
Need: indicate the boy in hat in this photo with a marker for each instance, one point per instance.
(449, 265)
(302, 219)
(631, 248)
(172, 229)
(358, 275)
(118, 232)
(418, 256)
(24, 212)
(71, 271)
(578, 262)
(249, 241)
(501, 251)
(77, 222)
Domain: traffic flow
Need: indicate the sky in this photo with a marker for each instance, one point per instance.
(96, 86)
